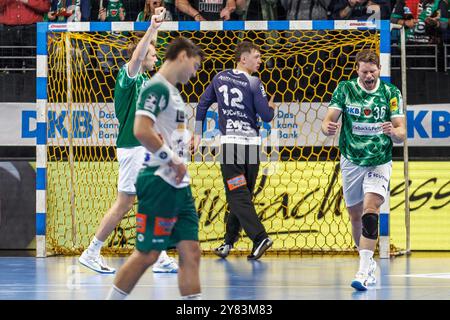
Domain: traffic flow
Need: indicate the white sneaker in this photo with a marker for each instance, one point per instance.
(95, 263)
(166, 265)
(371, 278)
(360, 281)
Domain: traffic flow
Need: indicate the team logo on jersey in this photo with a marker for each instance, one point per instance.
(354, 111)
(150, 103)
(367, 112)
(394, 104)
(164, 226)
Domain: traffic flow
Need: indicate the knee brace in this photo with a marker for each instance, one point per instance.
(370, 226)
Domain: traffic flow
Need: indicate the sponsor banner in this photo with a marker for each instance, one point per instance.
(300, 204)
(294, 124)
(302, 207)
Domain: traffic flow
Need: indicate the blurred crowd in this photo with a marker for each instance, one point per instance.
(426, 21)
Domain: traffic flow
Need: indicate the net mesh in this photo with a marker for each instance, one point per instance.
(298, 193)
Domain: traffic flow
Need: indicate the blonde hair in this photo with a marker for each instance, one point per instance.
(367, 56)
(147, 10)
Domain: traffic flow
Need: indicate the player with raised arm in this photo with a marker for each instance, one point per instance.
(130, 153)
(167, 214)
(241, 99)
(372, 119)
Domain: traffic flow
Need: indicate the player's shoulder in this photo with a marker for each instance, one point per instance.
(155, 85)
(345, 84)
(389, 87)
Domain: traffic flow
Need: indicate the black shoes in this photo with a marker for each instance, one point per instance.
(259, 249)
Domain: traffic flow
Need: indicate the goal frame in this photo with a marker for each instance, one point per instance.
(44, 29)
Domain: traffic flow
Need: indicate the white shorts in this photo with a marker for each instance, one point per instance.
(357, 180)
(130, 162)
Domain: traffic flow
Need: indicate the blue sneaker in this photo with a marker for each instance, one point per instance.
(360, 281)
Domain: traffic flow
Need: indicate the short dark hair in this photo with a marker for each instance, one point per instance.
(182, 44)
(242, 47)
(367, 56)
(133, 44)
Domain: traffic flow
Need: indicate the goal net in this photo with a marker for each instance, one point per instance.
(298, 193)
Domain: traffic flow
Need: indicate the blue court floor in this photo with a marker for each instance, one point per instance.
(419, 276)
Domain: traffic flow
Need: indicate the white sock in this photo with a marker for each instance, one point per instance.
(116, 294)
(196, 296)
(95, 246)
(365, 257)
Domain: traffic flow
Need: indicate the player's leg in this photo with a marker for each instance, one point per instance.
(352, 185)
(375, 186)
(185, 236)
(130, 273)
(91, 257)
(232, 224)
(154, 224)
(189, 271)
(251, 174)
(355, 214)
(240, 202)
(130, 162)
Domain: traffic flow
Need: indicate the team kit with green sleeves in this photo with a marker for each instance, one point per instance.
(166, 210)
(366, 153)
(130, 153)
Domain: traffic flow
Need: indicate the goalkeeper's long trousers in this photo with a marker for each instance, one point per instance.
(239, 166)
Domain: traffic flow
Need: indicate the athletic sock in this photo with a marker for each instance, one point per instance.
(116, 294)
(95, 246)
(365, 257)
(197, 296)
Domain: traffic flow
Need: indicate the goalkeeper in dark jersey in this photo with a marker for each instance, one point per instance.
(241, 98)
(372, 119)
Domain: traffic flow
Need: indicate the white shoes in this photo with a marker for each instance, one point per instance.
(165, 264)
(95, 263)
(371, 278)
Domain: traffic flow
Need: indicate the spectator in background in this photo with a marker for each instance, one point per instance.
(17, 24)
(111, 10)
(69, 11)
(355, 10)
(207, 10)
(149, 10)
(306, 9)
(22, 12)
(431, 23)
(402, 14)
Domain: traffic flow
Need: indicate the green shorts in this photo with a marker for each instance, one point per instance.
(166, 215)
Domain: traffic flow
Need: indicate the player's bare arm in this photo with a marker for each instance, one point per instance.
(396, 129)
(146, 134)
(330, 126)
(142, 48)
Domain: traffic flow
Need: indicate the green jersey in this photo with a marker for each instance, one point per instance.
(362, 140)
(113, 10)
(126, 94)
(162, 102)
